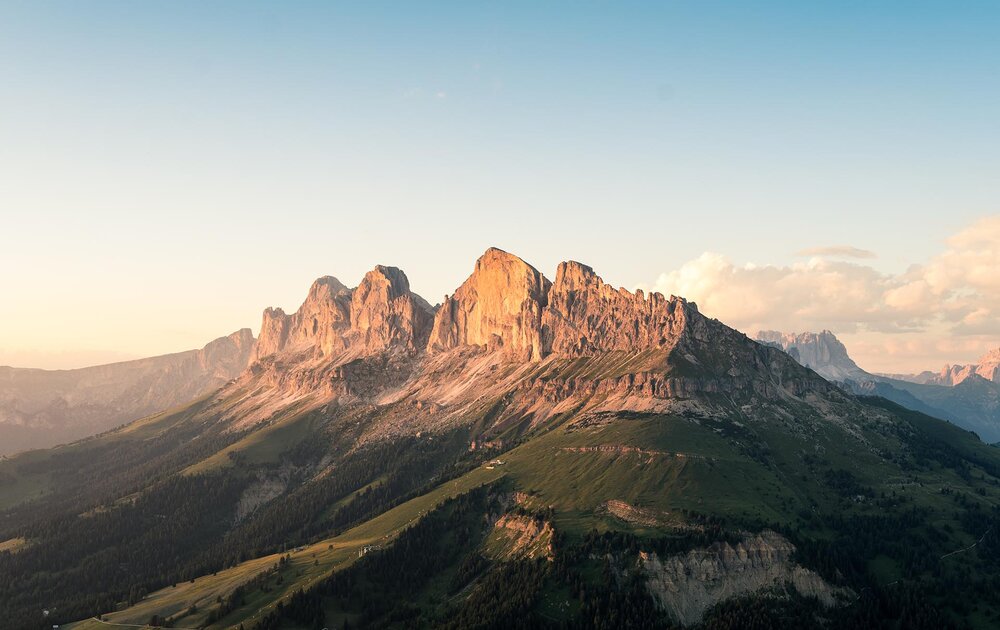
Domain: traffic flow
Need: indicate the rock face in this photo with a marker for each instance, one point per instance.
(380, 313)
(385, 313)
(507, 304)
(319, 323)
(517, 536)
(585, 316)
(499, 306)
(687, 585)
(989, 366)
(41, 408)
(821, 352)
(507, 327)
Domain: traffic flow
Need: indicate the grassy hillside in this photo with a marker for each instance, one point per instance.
(893, 504)
(304, 566)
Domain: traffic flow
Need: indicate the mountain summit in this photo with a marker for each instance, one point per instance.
(506, 326)
(822, 352)
(531, 453)
(987, 367)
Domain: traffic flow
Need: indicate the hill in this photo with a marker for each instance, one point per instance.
(42, 408)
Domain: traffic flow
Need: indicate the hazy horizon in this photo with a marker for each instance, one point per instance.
(171, 170)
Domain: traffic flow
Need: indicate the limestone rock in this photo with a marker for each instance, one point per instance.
(323, 318)
(687, 585)
(320, 322)
(585, 316)
(988, 367)
(384, 312)
(499, 306)
(273, 333)
(379, 313)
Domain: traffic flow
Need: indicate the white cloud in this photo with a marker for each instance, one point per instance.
(955, 294)
(837, 251)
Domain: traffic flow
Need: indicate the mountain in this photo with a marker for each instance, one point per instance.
(531, 453)
(959, 394)
(42, 408)
(988, 368)
(821, 352)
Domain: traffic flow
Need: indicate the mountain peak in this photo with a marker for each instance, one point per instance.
(498, 306)
(821, 352)
(380, 312)
(384, 312)
(326, 285)
(988, 367)
(586, 315)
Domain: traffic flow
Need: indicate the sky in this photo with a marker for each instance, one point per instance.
(169, 169)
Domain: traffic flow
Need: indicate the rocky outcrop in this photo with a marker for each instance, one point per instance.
(319, 324)
(541, 347)
(507, 304)
(273, 335)
(687, 585)
(226, 357)
(385, 313)
(585, 316)
(520, 536)
(988, 367)
(499, 306)
(381, 312)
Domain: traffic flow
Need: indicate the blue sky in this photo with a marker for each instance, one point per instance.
(168, 169)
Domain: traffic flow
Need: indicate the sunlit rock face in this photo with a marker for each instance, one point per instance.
(585, 316)
(320, 322)
(499, 306)
(385, 313)
(379, 313)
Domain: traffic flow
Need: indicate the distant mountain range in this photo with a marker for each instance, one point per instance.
(41, 408)
(531, 453)
(967, 395)
(988, 367)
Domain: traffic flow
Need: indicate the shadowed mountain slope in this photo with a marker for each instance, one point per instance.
(959, 394)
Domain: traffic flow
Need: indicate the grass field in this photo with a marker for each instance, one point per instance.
(264, 445)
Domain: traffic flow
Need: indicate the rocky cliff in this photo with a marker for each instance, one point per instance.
(381, 312)
(687, 585)
(385, 313)
(821, 352)
(320, 323)
(499, 307)
(506, 331)
(585, 316)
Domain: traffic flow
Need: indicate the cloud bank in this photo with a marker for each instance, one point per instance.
(948, 304)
